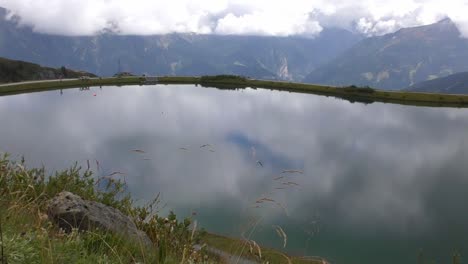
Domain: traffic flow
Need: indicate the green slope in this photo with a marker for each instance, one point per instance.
(17, 71)
(453, 84)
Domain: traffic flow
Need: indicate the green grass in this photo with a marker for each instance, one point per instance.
(25, 244)
(238, 247)
(223, 79)
(16, 71)
(18, 88)
(27, 235)
(178, 80)
(351, 93)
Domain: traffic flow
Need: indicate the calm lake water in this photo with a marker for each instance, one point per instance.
(380, 182)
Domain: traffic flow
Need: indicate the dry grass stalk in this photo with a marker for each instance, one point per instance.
(2, 253)
(116, 173)
(281, 234)
(194, 229)
(293, 171)
(290, 183)
(259, 250)
(286, 257)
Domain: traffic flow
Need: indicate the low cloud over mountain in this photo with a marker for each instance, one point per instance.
(244, 17)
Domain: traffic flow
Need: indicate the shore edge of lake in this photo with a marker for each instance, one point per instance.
(352, 93)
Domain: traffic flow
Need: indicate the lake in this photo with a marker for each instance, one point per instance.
(353, 183)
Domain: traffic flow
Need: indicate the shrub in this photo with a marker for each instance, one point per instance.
(356, 89)
(223, 78)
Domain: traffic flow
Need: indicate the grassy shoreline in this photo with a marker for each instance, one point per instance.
(28, 235)
(38, 86)
(352, 94)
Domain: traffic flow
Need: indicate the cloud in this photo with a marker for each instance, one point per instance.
(261, 17)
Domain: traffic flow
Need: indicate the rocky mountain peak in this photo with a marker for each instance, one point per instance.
(397, 60)
(444, 28)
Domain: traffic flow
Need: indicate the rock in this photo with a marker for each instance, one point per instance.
(70, 211)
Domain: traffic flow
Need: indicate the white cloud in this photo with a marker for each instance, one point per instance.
(260, 17)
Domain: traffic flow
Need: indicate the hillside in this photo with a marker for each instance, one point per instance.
(16, 71)
(398, 60)
(453, 84)
(286, 58)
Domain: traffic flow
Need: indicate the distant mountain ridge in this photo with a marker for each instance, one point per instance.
(398, 60)
(17, 71)
(286, 58)
(453, 84)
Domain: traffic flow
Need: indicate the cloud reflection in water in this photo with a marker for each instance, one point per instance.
(390, 178)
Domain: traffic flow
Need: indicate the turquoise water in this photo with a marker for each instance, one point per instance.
(376, 183)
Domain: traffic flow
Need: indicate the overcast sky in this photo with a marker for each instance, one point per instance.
(253, 17)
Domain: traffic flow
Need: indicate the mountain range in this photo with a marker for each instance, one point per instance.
(286, 58)
(398, 60)
(453, 84)
(334, 57)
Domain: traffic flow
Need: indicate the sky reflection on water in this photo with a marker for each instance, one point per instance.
(380, 181)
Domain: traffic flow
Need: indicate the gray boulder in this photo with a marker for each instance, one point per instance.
(70, 211)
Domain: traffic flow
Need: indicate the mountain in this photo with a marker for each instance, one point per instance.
(286, 58)
(16, 71)
(398, 60)
(453, 84)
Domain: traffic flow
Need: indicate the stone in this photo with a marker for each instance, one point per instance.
(70, 211)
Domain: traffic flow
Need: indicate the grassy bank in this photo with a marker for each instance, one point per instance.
(16, 71)
(28, 236)
(351, 93)
(34, 86)
(250, 250)
(179, 80)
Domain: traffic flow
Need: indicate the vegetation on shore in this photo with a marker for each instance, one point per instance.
(351, 93)
(226, 79)
(25, 87)
(17, 71)
(250, 250)
(28, 236)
